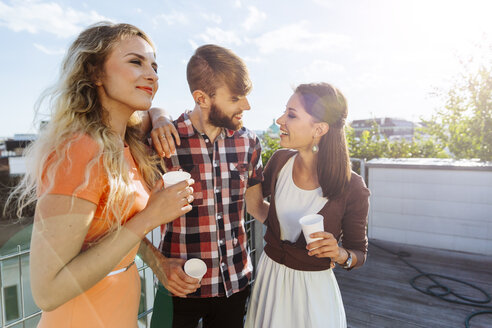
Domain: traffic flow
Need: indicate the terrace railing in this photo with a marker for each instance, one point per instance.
(19, 310)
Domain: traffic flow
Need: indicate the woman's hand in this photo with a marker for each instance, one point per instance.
(164, 134)
(165, 205)
(326, 247)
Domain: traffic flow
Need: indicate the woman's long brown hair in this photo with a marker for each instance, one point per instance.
(327, 104)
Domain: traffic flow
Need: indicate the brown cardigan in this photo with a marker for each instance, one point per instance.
(345, 217)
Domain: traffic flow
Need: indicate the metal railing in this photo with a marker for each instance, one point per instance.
(254, 230)
(362, 167)
(23, 318)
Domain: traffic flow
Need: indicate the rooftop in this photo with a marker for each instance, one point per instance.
(379, 293)
(430, 163)
(382, 121)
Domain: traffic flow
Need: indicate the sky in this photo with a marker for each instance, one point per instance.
(386, 56)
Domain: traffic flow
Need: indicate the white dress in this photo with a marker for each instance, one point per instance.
(284, 297)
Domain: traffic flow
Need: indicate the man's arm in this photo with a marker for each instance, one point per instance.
(169, 271)
(152, 116)
(146, 124)
(256, 206)
(164, 135)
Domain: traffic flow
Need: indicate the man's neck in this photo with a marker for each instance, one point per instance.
(200, 122)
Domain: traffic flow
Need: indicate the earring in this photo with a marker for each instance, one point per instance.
(315, 148)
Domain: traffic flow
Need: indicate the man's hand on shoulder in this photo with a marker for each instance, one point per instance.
(164, 135)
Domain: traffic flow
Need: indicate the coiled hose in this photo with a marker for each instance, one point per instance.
(441, 291)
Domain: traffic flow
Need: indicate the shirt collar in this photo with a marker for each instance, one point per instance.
(186, 129)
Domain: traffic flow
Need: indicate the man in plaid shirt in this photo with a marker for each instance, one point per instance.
(224, 159)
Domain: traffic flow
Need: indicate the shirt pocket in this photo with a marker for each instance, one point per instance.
(238, 180)
(198, 186)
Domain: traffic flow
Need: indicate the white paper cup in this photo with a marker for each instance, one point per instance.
(310, 224)
(172, 177)
(195, 268)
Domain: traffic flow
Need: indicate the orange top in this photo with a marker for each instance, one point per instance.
(112, 302)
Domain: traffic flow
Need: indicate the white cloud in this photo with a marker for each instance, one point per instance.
(172, 18)
(49, 51)
(237, 3)
(193, 44)
(214, 18)
(256, 59)
(322, 67)
(46, 17)
(255, 16)
(219, 36)
(325, 3)
(320, 70)
(297, 37)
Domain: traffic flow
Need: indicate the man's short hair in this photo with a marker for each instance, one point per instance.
(212, 66)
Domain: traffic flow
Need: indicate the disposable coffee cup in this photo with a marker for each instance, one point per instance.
(195, 268)
(174, 177)
(310, 224)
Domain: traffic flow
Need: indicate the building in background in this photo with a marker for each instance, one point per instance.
(392, 128)
(11, 156)
(272, 131)
(12, 160)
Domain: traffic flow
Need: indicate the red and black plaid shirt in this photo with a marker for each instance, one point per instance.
(214, 229)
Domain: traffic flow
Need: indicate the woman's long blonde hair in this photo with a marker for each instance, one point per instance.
(77, 111)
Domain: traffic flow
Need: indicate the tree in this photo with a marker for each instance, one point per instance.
(464, 124)
(372, 144)
(268, 146)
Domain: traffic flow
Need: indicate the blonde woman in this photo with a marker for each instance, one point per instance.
(92, 176)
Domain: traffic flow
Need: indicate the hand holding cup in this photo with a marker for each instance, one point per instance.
(195, 268)
(166, 204)
(311, 223)
(172, 177)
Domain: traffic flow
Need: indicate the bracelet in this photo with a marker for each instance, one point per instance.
(348, 262)
(345, 259)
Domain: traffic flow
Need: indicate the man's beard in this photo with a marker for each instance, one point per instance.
(218, 119)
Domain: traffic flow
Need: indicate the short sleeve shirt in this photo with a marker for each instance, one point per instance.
(114, 300)
(73, 179)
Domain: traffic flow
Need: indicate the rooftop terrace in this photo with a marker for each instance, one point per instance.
(379, 294)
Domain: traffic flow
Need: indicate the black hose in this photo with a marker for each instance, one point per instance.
(441, 291)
